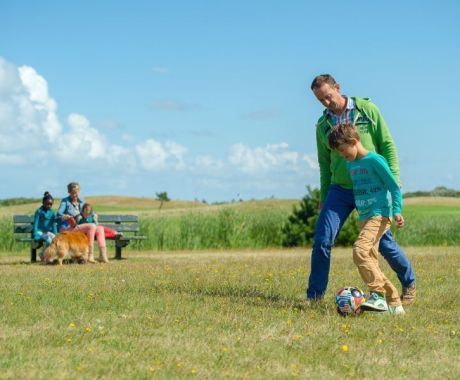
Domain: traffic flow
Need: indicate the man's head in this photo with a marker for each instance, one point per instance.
(345, 139)
(327, 91)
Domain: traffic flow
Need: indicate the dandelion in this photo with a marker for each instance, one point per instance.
(193, 371)
(69, 339)
(72, 325)
(344, 348)
(152, 370)
(88, 329)
(90, 349)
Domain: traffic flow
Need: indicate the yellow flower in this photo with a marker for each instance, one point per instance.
(193, 371)
(90, 349)
(88, 329)
(344, 348)
(69, 339)
(72, 325)
(152, 370)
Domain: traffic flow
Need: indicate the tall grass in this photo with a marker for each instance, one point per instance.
(232, 228)
(227, 228)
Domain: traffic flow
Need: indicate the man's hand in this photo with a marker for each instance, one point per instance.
(399, 220)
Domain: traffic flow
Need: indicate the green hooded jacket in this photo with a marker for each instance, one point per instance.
(374, 135)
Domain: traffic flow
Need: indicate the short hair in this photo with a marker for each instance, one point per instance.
(342, 134)
(86, 205)
(73, 185)
(321, 79)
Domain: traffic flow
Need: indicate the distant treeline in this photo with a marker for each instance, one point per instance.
(18, 201)
(439, 191)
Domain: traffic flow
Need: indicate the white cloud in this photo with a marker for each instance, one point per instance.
(28, 119)
(154, 155)
(207, 164)
(263, 159)
(312, 162)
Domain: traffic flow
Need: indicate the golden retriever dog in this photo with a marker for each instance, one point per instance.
(69, 244)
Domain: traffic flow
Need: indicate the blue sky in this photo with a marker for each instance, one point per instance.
(210, 99)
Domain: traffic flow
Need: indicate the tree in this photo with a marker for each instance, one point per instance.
(162, 197)
(299, 229)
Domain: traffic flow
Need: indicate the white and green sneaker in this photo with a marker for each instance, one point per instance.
(375, 302)
(396, 310)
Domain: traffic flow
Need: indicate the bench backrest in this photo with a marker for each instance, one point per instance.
(23, 224)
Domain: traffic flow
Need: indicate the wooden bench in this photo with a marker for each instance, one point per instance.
(127, 224)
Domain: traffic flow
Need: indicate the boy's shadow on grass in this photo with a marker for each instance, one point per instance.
(247, 295)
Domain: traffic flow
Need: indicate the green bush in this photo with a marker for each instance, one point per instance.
(299, 230)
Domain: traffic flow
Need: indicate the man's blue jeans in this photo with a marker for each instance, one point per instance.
(337, 207)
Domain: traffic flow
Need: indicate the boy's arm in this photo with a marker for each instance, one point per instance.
(384, 142)
(324, 160)
(383, 171)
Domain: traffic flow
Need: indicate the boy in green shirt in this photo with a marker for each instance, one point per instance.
(372, 180)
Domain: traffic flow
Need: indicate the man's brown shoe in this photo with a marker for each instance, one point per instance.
(408, 295)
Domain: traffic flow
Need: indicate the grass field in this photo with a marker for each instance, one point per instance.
(220, 314)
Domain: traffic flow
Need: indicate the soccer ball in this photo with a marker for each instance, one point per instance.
(348, 300)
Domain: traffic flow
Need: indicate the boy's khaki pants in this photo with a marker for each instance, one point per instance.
(365, 256)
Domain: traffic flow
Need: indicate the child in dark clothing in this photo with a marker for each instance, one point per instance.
(45, 227)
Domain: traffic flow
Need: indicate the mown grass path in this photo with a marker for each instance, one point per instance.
(220, 315)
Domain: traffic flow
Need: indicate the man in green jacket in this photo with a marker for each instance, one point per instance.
(336, 192)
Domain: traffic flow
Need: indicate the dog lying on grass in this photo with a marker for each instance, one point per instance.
(69, 244)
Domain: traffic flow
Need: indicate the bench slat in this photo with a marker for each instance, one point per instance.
(27, 228)
(117, 219)
(23, 218)
(134, 237)
(101, 218)
(23, 229)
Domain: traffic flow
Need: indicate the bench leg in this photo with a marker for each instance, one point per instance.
(117, 252)
(33, 255)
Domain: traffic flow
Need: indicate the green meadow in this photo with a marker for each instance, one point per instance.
(220, 314)
(231, 306)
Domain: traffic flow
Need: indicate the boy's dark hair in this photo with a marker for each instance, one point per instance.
(86, 205)
(321, 79)
(47, 197)
(342, 134)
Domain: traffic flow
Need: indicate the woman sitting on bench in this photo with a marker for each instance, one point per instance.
(69, 209)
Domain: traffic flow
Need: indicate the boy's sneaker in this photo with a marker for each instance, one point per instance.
(375, 302)
(408, 294)
(396, 310)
